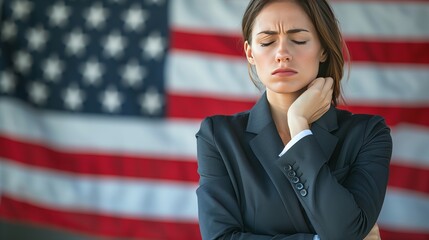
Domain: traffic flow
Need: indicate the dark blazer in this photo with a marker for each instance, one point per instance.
(331, 183)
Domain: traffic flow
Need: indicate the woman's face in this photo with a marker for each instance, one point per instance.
(285, 48)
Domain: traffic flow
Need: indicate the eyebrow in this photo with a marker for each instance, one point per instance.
(290, 31)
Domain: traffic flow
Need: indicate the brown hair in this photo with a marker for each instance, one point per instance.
(326, 25)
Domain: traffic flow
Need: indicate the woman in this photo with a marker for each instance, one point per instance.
(294, 166)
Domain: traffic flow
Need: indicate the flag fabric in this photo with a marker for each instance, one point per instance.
(100, 102)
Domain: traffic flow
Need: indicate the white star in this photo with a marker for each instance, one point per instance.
(37, 92)
(151, 101)
(111, 99)
(134, 18)
(73, 97)
(52, 67)
(76, 42)
(7, 82)
(22, 61)
(21, 9)
(59, 14)
(96, 16)
(133, 73)
(8, 31)
(157, 2)
(37, 38)
(153, 46)
(114, 44)
(92, 71)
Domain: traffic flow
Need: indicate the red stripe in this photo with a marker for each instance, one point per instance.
(181, 106)
(97, 163)
(402, 235)
(409, 177)
(388, 52)
(360, 50)
(395, 114)
(97, 224)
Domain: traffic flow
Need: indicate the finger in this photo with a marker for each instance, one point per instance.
(317, 83)
(329, 83)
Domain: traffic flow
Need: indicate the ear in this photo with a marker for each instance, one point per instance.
(248, 51)
(323, 56)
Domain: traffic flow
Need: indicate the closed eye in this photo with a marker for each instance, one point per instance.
(299, 42)
(266, 44)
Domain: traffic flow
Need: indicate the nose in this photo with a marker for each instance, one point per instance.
(283, 55)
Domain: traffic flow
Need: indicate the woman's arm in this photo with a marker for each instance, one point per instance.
(350, 209)
(219, 211)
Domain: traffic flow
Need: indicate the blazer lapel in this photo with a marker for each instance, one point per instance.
(266, 146)
(322, 129)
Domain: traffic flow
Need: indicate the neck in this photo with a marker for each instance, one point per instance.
(279, 106)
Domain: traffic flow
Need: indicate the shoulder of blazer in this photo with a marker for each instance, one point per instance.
(216, 123)
(363, 121)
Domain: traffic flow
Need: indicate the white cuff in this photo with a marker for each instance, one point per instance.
(295, 139)
(316, 237)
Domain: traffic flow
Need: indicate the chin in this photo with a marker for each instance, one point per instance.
(283, 88)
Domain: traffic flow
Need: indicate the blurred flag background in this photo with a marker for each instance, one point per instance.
(100, 101)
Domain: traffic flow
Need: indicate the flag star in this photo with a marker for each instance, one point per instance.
(114, 44)
(37, 38)
(52, 68)
(7, 82)
(134, 18)
(157, 2)
(21, 9)
(73, 97)
(22, 61)
(133, 73)
(59, 14)
(153, 46)
(96, 16)
(111, 100)
(151, 101)
(76, 42)
(37, 92)
(8, 31)
(92, 71)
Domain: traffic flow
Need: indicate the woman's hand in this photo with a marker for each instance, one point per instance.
(311, 105)
(374, 234)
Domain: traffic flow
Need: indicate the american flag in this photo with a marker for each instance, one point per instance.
(100, 102)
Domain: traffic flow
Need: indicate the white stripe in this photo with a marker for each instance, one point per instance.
(405, 211)
(410, 145)
(387, 84)
(383, 19)
(115, 196)
(222, 16)
(378, 19)
(96, 133)
(212, 75)
(197, 74)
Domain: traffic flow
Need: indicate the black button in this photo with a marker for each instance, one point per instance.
(295, 180)
(291, 174)
(299, 186)
(303, 192)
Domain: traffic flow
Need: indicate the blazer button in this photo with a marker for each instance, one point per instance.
(291, 174)
(303, 192)
(299, 186)
(295, 180)
(289, 167)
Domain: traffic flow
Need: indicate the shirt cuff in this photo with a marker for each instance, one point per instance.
(316, 237)
(295, 139)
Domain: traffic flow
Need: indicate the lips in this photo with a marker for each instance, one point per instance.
(284, 71)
